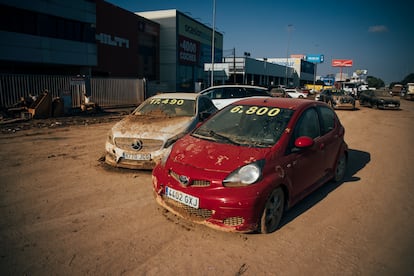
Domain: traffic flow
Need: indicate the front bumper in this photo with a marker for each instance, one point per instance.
(226, 209)
(114, 157)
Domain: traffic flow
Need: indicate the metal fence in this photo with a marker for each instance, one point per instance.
(106, 92)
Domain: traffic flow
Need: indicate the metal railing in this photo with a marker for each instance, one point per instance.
(106, 92)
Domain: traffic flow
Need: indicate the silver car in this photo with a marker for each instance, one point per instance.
(142, 138)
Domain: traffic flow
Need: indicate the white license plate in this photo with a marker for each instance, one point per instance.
(181, 197)
(137, 156)
(391, 105)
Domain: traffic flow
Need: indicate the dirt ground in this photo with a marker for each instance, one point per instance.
(62, 212)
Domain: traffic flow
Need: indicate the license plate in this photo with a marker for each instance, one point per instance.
(391, 105)
(181, 197)
(137, 156)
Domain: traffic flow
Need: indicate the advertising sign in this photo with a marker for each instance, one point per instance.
(342, 62)
(188, 50)
(314, 58)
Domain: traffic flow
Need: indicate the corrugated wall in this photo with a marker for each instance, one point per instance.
(106, 92)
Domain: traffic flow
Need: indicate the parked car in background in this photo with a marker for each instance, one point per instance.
(295, 93)
(249, 162)
(379, 99)
(278, 92)
(223, 95)
(140, 140)
(337, 98)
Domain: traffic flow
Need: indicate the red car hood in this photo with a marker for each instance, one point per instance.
(213, 156)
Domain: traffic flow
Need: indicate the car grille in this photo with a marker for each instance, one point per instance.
(187, 211)
(193, 183)
(148, 145)
(233, 221)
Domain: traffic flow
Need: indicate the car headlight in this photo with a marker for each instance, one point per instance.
(245, 175)
(110, 137)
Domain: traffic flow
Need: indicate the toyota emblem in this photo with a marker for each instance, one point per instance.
(184, 180)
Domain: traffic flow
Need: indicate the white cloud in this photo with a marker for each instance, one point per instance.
(378, 29)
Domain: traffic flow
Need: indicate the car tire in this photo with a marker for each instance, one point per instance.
(340, 168)
(273, 211)
(300, 97)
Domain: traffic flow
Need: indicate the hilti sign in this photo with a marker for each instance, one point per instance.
(342, 62)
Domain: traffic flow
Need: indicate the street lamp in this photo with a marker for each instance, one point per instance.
(287, 53)
(213, 42)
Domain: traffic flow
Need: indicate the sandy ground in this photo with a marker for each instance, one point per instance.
(62, 212)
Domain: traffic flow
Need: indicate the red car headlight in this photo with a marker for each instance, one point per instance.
(246, 175)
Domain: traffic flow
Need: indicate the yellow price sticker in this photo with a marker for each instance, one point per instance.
(256, 110)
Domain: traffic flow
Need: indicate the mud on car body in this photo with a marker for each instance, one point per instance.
(251, 161)
(141, 139)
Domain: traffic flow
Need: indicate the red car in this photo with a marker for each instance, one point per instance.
(247, 164)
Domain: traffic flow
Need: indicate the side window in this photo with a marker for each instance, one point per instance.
(205, 105)
(256, 92)
(308, 125)
(235, 92)
(216, 93)
(328, 120)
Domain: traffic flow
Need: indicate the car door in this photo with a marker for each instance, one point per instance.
(330, 140)
(305, 166)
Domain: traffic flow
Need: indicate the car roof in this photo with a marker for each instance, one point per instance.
(181, 95)
(288, 103)
(234, 85)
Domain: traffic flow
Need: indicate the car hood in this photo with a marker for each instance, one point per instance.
(149, 127)
(213, 156)
(388, 99)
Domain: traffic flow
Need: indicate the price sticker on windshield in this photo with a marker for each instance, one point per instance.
(255, 110)
(167, 101)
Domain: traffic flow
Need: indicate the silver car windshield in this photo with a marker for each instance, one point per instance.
(246, 125)
(167, 107)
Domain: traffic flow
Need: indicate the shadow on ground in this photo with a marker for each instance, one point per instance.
(357, 160)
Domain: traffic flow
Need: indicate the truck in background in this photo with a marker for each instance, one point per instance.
(409, 94)
(397, 89)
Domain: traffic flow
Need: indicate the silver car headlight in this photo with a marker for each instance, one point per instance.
(246, 175)
(110, 137)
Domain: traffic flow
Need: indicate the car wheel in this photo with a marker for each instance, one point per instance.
(273, 211)
(300, 97)
(340, 168)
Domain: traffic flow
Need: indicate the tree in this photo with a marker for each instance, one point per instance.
(409, 78)
(375, 82)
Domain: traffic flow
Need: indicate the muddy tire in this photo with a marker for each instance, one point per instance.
(340, 168)
(273, 212)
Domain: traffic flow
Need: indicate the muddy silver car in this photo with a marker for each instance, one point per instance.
(141, 139)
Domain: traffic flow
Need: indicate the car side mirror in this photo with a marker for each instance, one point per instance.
(303, 142)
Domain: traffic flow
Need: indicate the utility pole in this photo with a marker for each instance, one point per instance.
(234, 65)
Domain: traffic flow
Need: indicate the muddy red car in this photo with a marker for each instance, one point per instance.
(254, 159)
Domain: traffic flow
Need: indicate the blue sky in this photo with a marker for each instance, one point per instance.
(377, 35)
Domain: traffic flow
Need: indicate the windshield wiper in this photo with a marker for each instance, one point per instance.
(222, 137)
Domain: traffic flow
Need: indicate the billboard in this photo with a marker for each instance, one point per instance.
(342, 63)
(314, 58)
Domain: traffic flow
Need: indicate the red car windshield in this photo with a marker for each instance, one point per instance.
(246, 125)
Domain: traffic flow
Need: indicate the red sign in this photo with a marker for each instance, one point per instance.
(342, 62)
(188, 50)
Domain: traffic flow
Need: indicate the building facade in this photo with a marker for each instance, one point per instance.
(40, 36)
(78, 37)
(127, 44)
(185, 46)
